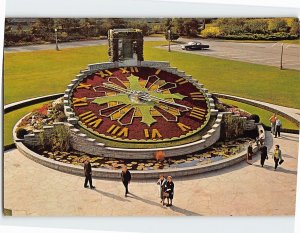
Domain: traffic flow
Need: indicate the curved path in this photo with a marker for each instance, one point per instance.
(242, 189)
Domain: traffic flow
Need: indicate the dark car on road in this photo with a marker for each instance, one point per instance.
(194, 46)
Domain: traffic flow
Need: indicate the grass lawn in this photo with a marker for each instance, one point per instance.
(30, 74)
(11, 118)
(38, 73)
(263, 114)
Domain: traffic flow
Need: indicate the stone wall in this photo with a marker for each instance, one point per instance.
(83, 143)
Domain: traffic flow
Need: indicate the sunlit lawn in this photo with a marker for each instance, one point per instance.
(38, 73)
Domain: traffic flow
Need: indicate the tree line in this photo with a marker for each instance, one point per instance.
(253, 29)
(71, 29)
(42, 30)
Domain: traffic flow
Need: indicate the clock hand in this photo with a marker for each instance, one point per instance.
(149, 97)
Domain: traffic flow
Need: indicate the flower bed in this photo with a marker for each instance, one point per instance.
(212, 154)
(45, 115)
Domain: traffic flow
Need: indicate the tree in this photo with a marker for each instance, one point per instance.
(140, 25)
(256, 26)
(294, 27)
(191, 27)
(178, 26)
(278, 25)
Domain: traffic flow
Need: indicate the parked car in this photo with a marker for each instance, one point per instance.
(194, 46)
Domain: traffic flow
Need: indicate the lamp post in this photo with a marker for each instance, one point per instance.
(56, 44)
(281, 56)
(169, 38)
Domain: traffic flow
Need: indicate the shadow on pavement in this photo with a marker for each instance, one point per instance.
(184, 211)
(173, 208)
(110, 195)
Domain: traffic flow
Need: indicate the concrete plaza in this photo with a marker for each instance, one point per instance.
(242, 189)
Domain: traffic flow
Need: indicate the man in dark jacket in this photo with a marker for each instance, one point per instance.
(263, 154)
(88, 174)
(126, 177)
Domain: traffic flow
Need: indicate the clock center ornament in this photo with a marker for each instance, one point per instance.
(130, 108)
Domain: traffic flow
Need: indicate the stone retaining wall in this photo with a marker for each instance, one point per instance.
(83, 143)
(115, 174)
(242, 100)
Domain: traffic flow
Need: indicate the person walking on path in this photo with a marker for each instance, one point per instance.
(277, 128)
(263, 154)
(277, 156)
(126, 177)
(249, 153)
(88, 174)
(169, 190)
(273, 123)
(161, 182)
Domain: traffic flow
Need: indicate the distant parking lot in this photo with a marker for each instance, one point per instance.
(258, 53)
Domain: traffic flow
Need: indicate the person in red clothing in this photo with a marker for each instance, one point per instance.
(273, 123)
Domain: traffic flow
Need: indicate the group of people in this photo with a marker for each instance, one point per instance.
(275, 125)
(277, 155)
(166, 186)
(166, 189)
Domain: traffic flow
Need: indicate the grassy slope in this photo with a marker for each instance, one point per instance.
(45, 72)
(263, 114)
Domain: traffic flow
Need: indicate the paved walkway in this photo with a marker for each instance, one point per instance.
(32, 189)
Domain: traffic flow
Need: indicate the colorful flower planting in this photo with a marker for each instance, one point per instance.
(139, 104)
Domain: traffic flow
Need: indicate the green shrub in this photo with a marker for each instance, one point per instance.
(211, 32)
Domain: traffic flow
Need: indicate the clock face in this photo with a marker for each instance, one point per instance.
(139, 104)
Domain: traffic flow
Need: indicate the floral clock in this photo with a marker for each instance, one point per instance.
(139, 104)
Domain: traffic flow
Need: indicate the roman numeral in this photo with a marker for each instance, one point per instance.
(95, 123)
(197, 96)
(154, 133)
(78, 102)
(134, 69)
(118, 131)
(157, 72)
(90, 118)
(181, 81)
(83, 85)
(183, 127)
(104, 73)
(197, 113)
(124, 70)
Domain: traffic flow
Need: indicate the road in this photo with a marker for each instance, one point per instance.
(258, 53)
(65, 45)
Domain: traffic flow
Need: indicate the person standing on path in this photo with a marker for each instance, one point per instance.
(88, 173)
(161, 182)
(126, 177)
(277, 128)
(249, 153)
(169, 190)
(277, 156)
(263, 154)
(273, 123)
